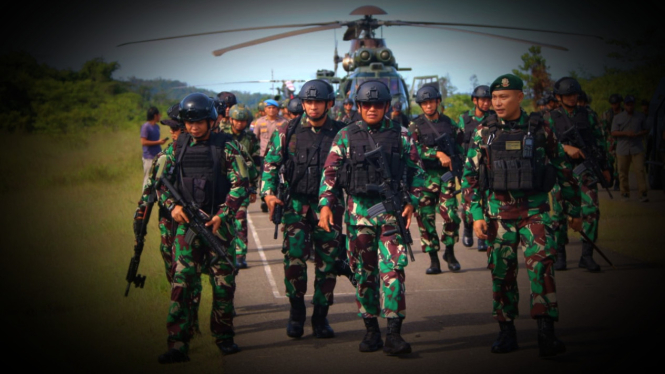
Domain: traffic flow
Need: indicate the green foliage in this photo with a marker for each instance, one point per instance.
(457, 104)
(534, 73)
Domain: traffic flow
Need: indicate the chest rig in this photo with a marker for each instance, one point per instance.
(201, 171)
(359, 176)
(305, 159)
(512, 161)
(428, 132)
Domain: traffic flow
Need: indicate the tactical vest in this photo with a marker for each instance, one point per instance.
(470, 125)
(427, 136)
(562, 123)
(305, 166)
(507, 168)
(359, 176)
(201, 171)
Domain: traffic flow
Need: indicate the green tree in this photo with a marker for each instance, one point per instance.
(534, 73)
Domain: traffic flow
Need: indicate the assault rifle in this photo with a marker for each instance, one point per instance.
(447, 145)
(197, 227)
(393, 202)
(140, 225)
(283, 196)
(591, 164)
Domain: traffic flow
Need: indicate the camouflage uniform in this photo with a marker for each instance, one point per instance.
(250, 145)
(520, 217)
(377, 260)
(435, 195)
(589, 191)
(191, 259)
(302, 236)
(466, 204)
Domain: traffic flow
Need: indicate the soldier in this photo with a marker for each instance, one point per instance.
(220, 107)
(295, 108)
(260, 108)
(230, 100)
(586, 123)
(606, 118)
(301, 148)
(263, 129)
(376, 252)
(398, 116)
(425, 129)
(208, 171)
(542, 108)
(518, 210)
(239, 116)
(348, 115)
(469, 121)
(550, 101)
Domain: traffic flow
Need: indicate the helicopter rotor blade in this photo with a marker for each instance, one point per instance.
(333, 25)
(491, 35)
(410, 23)
(225, 31)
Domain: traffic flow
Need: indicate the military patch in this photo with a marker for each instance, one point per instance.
(505, 82)
(513, 145)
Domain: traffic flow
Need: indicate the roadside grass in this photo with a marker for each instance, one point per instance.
(68, 240)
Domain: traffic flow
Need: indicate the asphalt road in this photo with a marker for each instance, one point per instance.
(609, 320)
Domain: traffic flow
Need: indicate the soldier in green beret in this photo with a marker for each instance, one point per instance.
(513, 163)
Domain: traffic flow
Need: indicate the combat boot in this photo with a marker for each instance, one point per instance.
(372, 341)
(482, 245)
(172, 356)
(467, 235)
(228, 347)
(320, 324)
(586, 261)
(395, 345)
(560, 263)
(449, 257)
(507, 340)
(241, 262)
(295, 326)
(434, 266)
(548, 344)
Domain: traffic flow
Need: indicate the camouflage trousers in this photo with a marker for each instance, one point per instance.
(535, 235)
(303, 238)
(189, 261)
(240, 225)
(590, 211)
(378, 262)
(426, 217)
(166, 245)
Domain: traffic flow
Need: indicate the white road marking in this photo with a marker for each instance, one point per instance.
(266, 266)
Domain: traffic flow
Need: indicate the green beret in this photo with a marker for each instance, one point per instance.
(507, 82)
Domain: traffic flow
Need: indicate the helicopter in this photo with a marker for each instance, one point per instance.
(368, 58)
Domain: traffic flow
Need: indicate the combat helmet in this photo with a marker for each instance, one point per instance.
(567, 86)
(262, 106)
(239, 112)
(295, 106)
(371, 91)
(481, 92)
(427, 92)
(615, 98)
(228, 97)
(196, 107)
(317, 89)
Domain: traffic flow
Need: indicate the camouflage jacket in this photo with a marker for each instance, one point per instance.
(356, 212)
(348, 118)
(236, 173)
(596, 128)
(251, 148)
(518, 204)
(274, 159)
(433, 177)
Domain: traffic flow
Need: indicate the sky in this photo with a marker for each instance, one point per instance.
(66, 34)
